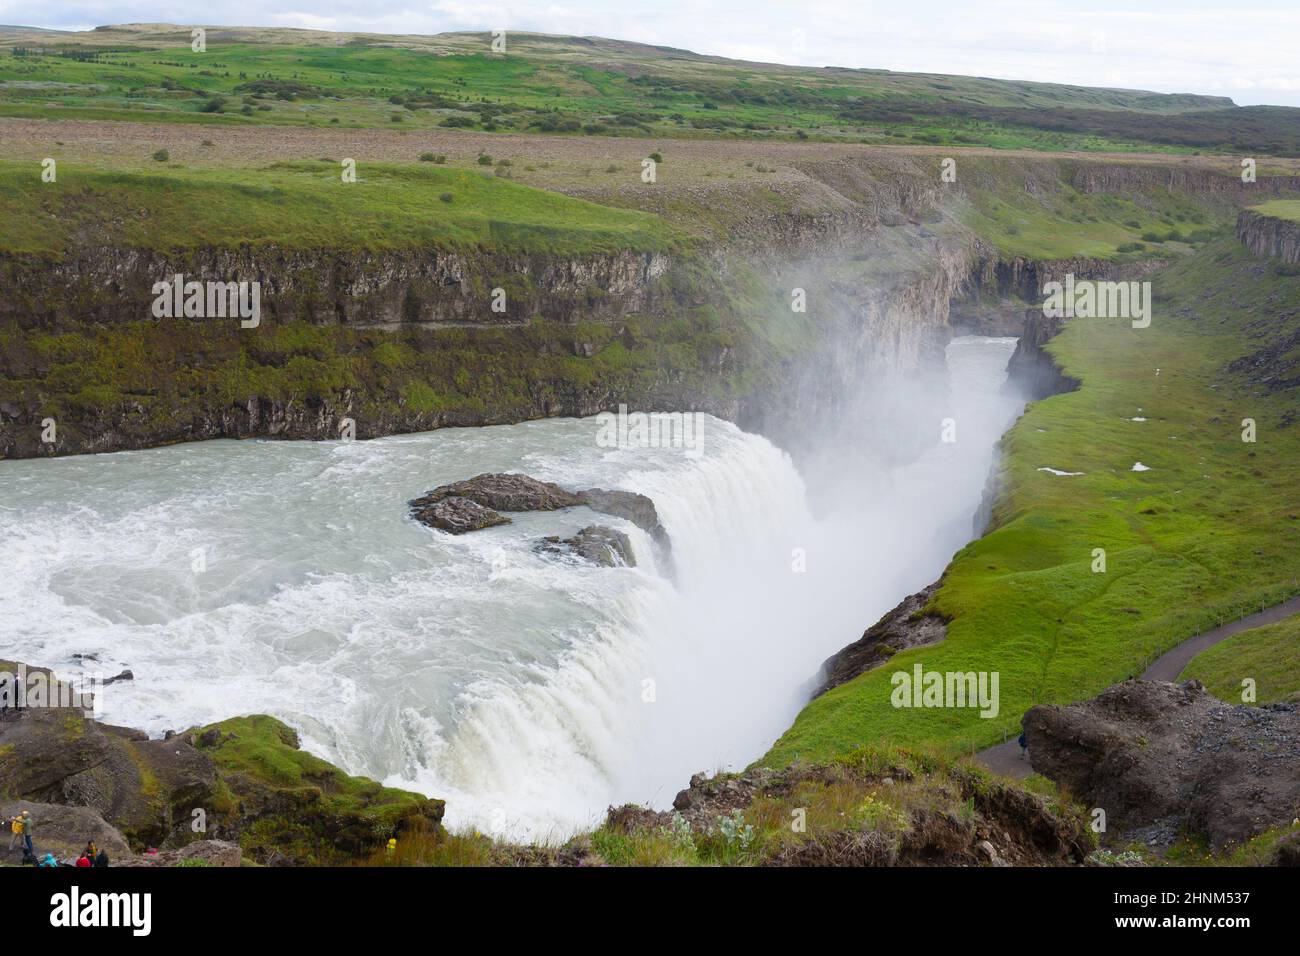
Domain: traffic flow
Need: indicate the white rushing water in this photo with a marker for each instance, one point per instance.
(530, 692)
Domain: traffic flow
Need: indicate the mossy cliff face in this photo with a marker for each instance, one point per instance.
(1024, 278)
(113, 284)
(364, 343)
(149, 383)
(1112, 177)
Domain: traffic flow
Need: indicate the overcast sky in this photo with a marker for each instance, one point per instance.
(1172, 46)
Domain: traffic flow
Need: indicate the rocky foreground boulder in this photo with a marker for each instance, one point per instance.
(1149, 752)
(63, 831)
(245, 780)
(219, 853)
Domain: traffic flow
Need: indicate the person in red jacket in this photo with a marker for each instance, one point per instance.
(83, 860)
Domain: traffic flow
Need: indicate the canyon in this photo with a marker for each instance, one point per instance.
(815, 309)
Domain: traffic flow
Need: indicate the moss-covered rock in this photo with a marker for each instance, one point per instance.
(286, 806)
(244, 780)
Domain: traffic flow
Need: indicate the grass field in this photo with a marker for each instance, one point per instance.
(1211, 527)
(1056, 220)
(571, 85)
(1281, 209)
(1270, 656)
(307, 204)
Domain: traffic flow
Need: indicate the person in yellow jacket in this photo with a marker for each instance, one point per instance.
(15, 831)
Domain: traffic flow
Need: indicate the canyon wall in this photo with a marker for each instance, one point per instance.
(1266, 235)
(367, 343)
(357, 287)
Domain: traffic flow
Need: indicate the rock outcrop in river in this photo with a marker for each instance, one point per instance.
(595, 543)
(477, 503)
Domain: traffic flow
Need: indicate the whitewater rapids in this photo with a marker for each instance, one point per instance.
(529, 692)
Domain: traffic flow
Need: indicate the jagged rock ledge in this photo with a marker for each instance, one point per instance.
(1032, 371)
(908, 625)
(1001, 825)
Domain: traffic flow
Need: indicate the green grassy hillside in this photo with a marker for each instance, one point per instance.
(588, 85)
(1270, 656)
(1212, 526)
(1281, 209)
(308, 205)
(1025, 213)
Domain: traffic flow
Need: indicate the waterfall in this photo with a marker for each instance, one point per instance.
(529, 692)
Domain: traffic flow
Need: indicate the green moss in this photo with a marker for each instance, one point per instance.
(420, 397)
(152, 377)
(284, 800)
(1260, 850)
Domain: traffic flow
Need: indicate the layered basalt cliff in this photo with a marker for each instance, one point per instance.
(1266, 235)
(1032, 370)
(355, 287)
(365, 343)
(1113, 177)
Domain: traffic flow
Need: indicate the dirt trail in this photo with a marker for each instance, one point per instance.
(1008, 759)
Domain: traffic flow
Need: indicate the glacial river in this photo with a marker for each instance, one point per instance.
(529, 692)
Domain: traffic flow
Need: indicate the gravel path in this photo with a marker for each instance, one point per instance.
(1008, 759)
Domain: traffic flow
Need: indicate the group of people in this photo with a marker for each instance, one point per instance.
(22, 828)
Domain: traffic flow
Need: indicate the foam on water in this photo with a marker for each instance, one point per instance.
(531, 693)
